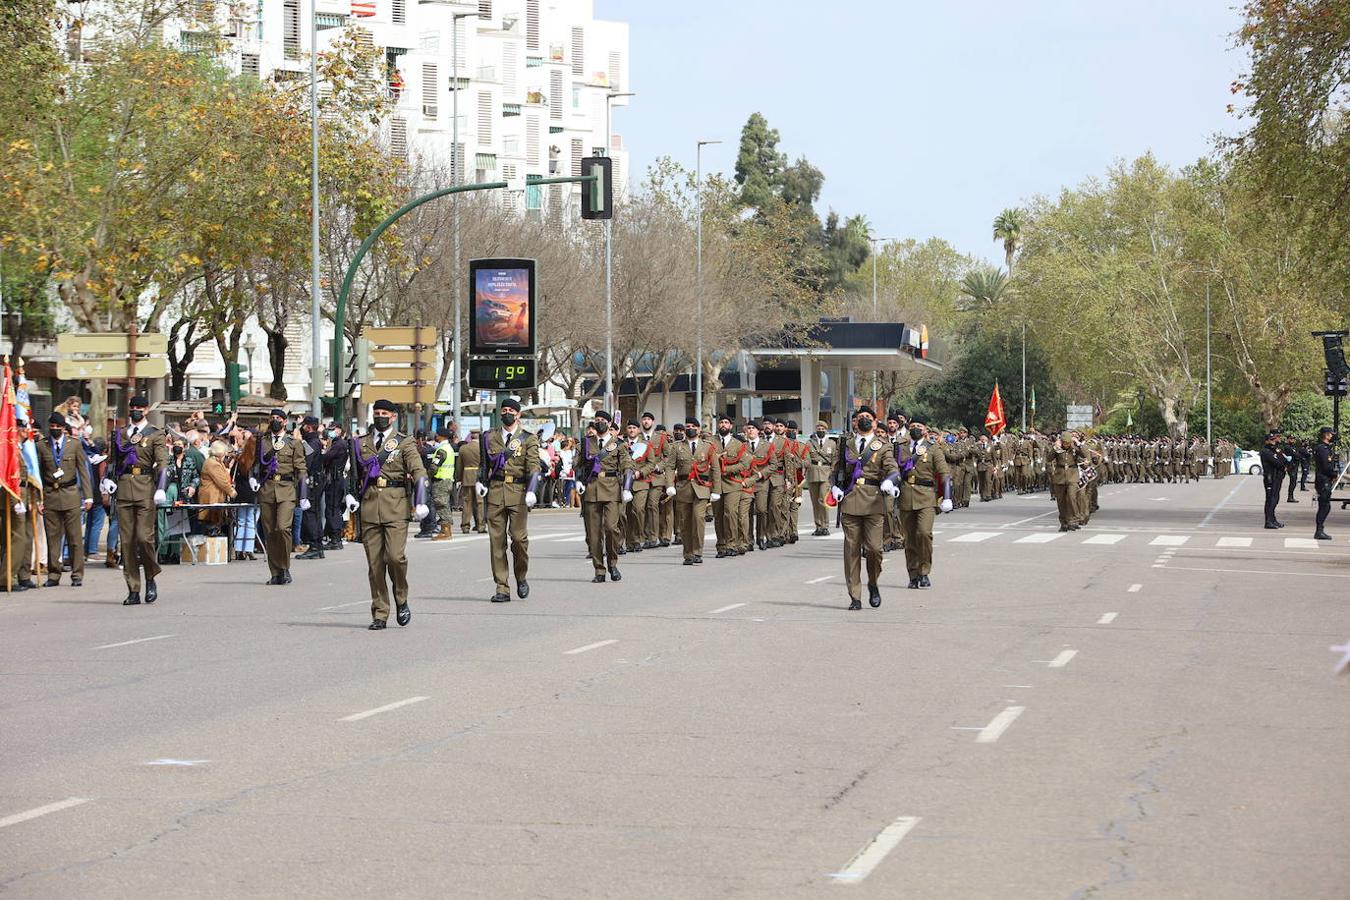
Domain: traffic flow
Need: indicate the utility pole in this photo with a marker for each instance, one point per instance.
(455, 279)
(1024, 374)
(1209, 381)
(610, 396)
(316, 376)
(698, 200)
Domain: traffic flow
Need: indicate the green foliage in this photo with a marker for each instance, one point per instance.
(961, 395)
(1306, 412)
(1240, 424)
(1008, 232)
(759, 164)
(802, 183)
(985, 289)
(846, 248)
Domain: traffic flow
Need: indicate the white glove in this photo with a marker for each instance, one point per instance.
(530, 499)
(714, 497)
(160, 497)
(253, 484)
(352, 504)
(304, 504)
(628, 497)
(420, 511)
(670, 491)
(19, 508)
(481, 489)
(108, 486)
(946, 506)
(89, 504)
(837, 493)
(581, 489)
(889, 489)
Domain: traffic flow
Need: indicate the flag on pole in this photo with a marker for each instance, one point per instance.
(10, 468)
(996, 419)
(1033, 406)
(1129, 419)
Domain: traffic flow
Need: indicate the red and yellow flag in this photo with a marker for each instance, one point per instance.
(10, 468)
(996, 419)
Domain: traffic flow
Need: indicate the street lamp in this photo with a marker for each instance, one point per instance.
(316, 370)
(610, 97)
(698, 199)
(876, 375)
(454, 181)
(249, 346)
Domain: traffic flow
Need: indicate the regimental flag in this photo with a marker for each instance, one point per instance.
(1033, 404)
(923, 341)
(11, 470)
(996, 419)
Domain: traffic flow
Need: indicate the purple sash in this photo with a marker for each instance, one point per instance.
(498, 460)
(854, 460)
(269, 463)
(369, 466)
(127, 454)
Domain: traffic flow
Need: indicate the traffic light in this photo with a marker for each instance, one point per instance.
(1336, 386)
(234, 383)
(597, 197)
(358, 364)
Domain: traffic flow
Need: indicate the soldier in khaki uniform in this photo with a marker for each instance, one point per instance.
(138, 462)
(821, 453)
(66, 491)
(22, 519)
(644, 470)
(386, 468)
(984, 467)
(1064, 458)
(508, 483)
(698, 480)
(279, 477)
(658, 449)
(922, 467)
(605, 481)
(774, 475)
(761, 459)
(467, 460)
(732, 515)
(794, 471)
(864, 487)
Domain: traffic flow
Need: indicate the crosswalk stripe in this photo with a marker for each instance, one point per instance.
(1234, 542)
(1302, 543)
(1169, 540)
(974, 537)
(1041, 538)
(1105, 539)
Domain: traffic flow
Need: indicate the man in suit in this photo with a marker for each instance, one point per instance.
(280, 478)
(864, 486)
(924, 478)
(605, 482)
(67, 491)
(698, 481)
(138, 468)
(508, 485)
(821, 452)
(386, 473)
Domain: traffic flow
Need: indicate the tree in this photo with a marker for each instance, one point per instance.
(961, 395)
(984, 289)
(759, 164)
(801, 184)
(846, 247)
(1008, 231)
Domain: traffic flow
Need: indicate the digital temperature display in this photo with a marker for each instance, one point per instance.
(502, 374)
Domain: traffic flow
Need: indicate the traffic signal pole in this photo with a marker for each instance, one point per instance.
(340, 313)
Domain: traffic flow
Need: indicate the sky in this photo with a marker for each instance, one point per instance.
(931, 116)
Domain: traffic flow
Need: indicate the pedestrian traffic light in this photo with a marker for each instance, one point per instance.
(597, 198)
(233, 384)
(358, 365)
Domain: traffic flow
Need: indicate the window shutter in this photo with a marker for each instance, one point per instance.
(485, 9)
(250, 64)
(290, 29)
(555, 94)
(400, 12)
(430, 107)
(576, 157)
(532, 139)
(531, 24)
(484, 117)
(398, 137)
(510, 85)
(578, 51)
(615, 69)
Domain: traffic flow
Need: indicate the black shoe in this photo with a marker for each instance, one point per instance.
(499, 597)
(1271, 526)
(151, 591)
(29, 584)
(599, 578)
(275, 579)
(52, 582)
(311, 554)
(286, 577)
(1063, 528)
(133, 598)
(856, 604)
(650, 545)
(614, 574)
(720, 554)
(1292, 500)
(873, 596)
(1321, 536)
(924, 582)
(403, 614)
(698, 560)
(676, 542)
(1279, 524)
(688, 560)
(665, 543)
(522, 589)
(761, 544)
(377, 625)
(622, 551)
(76, 581)
(914, 584)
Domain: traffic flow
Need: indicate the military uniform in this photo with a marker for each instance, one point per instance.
(138, 463)
(698, 480)
(466, 465)
(821, 454)
(442, 487)
(508, 481)
(865, 462)
(386, 473)
(66, 490)
(21, 520)
(605, 473)
(922, 468)
(280, 472)
(761, 460)
(1064, 475)
(732, 518)
(635, 514)
(774, 474)
(658, 449)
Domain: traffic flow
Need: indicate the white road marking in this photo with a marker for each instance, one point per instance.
(1136, 588)
(1019, 685)
(578, 537)
(1169, 540)
(1234, 542)
(1105, 539)
(459, 541)
(43, 810)
(158, 637)
(869, 857)
(344, 605)
(994, 730)
(1043, 537)
(1302, 543)
(561, 536)
(1062, 660)
(974, 537)
(597, 645)
(723, 609)
(1254, 572)
(1030, 519)
(1107, 618)
(1220, 505)
(820, 579)
(355, 717)
(176, 762)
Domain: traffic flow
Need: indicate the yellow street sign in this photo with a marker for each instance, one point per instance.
(402, 337)
(400, 357)
(112, 344)
(398, 393)
(81, 369)
(402, 374)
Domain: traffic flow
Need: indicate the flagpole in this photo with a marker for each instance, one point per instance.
(9, 548)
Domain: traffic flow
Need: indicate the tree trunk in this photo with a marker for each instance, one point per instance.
(276, 357)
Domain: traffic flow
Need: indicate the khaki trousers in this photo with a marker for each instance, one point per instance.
(916, 526)
(759, 529)
(778, 511)
(277, 519)
(602, 532)
(651, 512)
(862, 537)
(137, 538)
(64, 524)
(735, 518)
(503, 520)
(666, 528)
(691, 514)
(820, 513)
(386, 544)
(635, 518)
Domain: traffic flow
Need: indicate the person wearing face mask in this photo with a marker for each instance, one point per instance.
(604, 480)
(66, 491)
(923, 474)
(821, 452)
(279, 477)
(863, 486)
(336, 455)
(508, 485)
(732, 510)
(139, 473)
(698, 479)
(386, 472)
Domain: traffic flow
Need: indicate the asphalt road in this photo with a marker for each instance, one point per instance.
(1141, 709)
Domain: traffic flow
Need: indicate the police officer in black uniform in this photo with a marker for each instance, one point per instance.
(335, 457)
(1324, 476)
(311, 520)
(1272, 472)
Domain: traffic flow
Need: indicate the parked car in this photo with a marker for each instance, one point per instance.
(1248, 462)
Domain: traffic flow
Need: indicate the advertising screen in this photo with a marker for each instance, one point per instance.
(501, 307)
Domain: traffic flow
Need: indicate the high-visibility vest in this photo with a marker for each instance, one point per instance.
(446, 469)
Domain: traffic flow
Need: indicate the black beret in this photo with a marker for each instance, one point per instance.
(602, 414)
(282, 412)
(792, 424)
(648, 415)
(725, 418)
(311, 420)
(678, 426)
(386, 406)
(511, 403)
(864, 409)
(691, 420)
(660, 428)
(139, 400)
(56, 419)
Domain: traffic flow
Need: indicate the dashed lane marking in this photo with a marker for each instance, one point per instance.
(727, 608)
(1107, 618)
(1169, 540)
(596, 646)
(1001, 722)
(1105, 539)
(1234, 542)
(1062, 659)
(158, 637)
(356, 717)
(43, 810)
(1302, 543)
(1039, 538)
(820, 579)
(974, 537)
(1136, 588)
(870, 856)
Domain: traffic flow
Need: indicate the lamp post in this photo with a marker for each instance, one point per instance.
(698, 200)
(249, 346)
(454, 181)
(610, 97)
(876, 374)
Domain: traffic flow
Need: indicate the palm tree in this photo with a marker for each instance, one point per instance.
(986, 287)
(1008, 229)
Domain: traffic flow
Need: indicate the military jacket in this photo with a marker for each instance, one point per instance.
(862, 486)
(281, 466)
(698, 471)
(509, 481)
(820, 457)
(606, 485)
(65, 482)
(137, 464)
(383, 487)
(919, 486)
